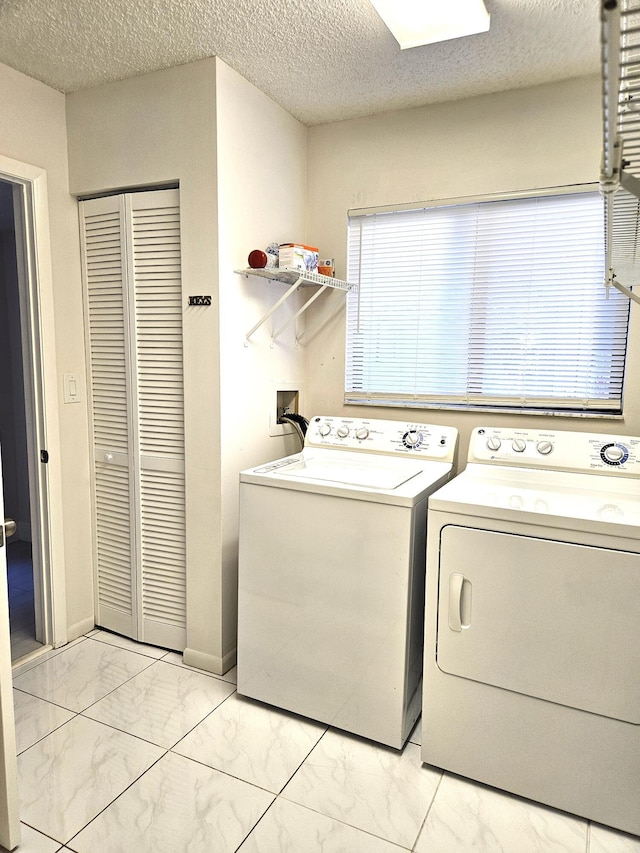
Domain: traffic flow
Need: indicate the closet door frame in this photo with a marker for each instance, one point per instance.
(152, 628)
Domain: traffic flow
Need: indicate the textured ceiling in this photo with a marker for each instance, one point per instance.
(322, 60)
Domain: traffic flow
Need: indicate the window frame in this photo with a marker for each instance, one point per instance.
(399, 400)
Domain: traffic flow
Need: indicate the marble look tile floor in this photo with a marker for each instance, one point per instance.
(124, 749)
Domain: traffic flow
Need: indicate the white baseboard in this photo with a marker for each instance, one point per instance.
(80, 628)
(210, 663)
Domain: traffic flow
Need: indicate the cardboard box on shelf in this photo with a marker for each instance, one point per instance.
(327, 266)
(297, 256)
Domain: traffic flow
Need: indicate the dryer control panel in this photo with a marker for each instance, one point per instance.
(558, 450)
(399, 438)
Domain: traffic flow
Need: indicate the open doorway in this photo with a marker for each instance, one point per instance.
(24, 609)
(26, 300)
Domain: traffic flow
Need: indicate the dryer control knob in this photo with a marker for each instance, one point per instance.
(343, 431)
(613, 453)
(519, 445)
(544, 447)
(362, 433)
(493, 443)
(324, 429)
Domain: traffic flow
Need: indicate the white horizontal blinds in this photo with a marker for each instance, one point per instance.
(494, 303)
(156, 271)
(106, 309)
(624, 215)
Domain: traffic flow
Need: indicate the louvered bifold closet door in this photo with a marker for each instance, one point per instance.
(155, 267)
(109, 395)
(134, 309)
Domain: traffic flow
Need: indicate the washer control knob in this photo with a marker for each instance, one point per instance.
(493, 443)
(544, 447)
(412, 438)
(324, 429)
(519, 445)
(343, 431)
(613, 453)
(362, 433)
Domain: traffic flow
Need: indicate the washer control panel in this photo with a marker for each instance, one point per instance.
(558, 450)
(381, 436)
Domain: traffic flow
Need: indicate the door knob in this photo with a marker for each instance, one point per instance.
(10, 527)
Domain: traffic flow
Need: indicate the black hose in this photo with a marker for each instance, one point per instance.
(298, 422)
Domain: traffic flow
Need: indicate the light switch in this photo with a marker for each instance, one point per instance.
(72, 393)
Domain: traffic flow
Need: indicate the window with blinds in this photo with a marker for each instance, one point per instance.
(492, 304)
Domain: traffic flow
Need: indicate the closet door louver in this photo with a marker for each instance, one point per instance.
(103, 242)
(155, 260)
(134, 310)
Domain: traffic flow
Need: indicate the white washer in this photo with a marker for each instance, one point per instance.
(331, 573)
(532, 643)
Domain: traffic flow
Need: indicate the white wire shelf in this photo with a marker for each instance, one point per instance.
(301, 277)
(295, 279)
(620, 178)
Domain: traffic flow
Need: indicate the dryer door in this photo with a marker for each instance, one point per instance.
(554, 620)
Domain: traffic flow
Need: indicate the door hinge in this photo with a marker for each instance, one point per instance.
(44, 456)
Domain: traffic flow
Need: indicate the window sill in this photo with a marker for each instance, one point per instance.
(497, 410)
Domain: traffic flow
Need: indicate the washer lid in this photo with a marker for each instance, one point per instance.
(363, 472)
(360, 476)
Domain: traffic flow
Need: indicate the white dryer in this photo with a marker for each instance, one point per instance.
(331, 573)
(532, 643)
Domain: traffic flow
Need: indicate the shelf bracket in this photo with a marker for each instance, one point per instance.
(273, 308)
(620, 135)
(298, 313)
(630, 183)
(626, 290)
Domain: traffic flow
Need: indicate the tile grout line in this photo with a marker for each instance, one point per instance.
(298, 768)
(109, 804)
(131, 677)
(280, 795)
(201, 671)
(40, 739)
(341, 822)
(206, 717)
(150, 742)
(125, 649)
(46, 656)
(48, 701)
(430, 806)
(253, 828)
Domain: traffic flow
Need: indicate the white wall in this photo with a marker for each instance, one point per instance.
(205, 127)
(262, 164)
(33, 132)
(531, 138)
(155, 129)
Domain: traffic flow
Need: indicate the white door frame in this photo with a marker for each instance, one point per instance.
(35, 284)
(9, 800)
